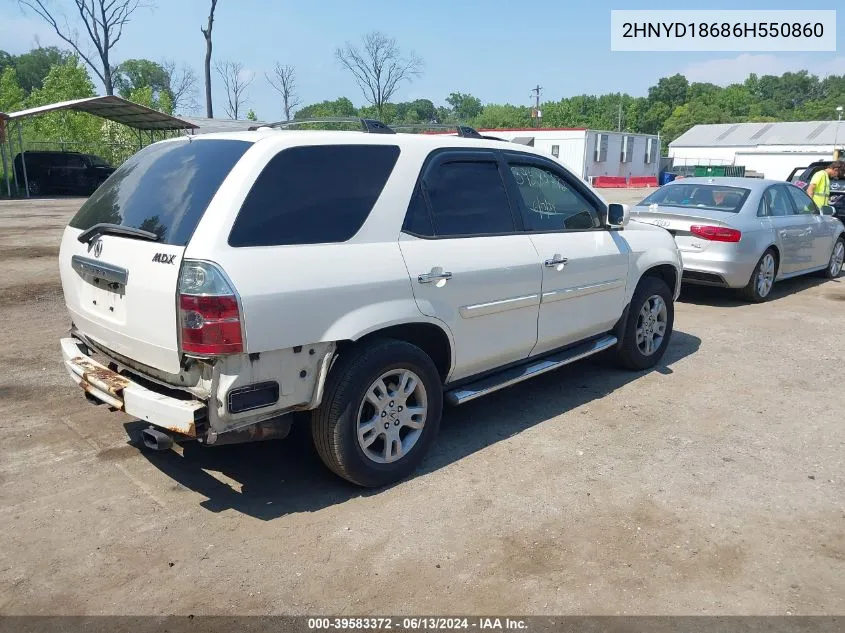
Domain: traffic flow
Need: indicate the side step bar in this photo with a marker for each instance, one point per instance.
(533, 367)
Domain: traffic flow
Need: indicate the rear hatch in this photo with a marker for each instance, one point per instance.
(678, 220)
(121, 254)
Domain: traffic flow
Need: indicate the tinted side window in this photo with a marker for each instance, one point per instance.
(418, 219)
(550, 203)
(777, 202)
(803, 203)
(468, 198)
(313, 195)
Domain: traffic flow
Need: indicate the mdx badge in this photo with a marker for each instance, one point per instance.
(98, 247)
(163, 258)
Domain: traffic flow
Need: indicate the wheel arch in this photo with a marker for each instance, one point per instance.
(667, 272)
(430, 337)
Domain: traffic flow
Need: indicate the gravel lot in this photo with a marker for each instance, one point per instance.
(712, 485)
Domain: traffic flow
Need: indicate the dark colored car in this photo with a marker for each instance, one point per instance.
(62, 172)
(801, 176)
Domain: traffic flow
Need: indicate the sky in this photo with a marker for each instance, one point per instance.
(497, 50)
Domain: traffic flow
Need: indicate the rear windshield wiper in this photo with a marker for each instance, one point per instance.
(104, 228)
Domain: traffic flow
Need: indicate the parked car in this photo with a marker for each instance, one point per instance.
(746, 233)
(62, 172)
(218, 285)
(801, 176)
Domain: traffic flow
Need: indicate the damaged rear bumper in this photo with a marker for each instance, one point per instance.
(121, 392)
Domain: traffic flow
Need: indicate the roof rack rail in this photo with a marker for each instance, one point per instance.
(367, 125)
(464, 131)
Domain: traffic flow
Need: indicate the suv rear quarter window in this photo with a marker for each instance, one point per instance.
(313, 195)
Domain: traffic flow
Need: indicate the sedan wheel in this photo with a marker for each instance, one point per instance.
(762, 279)
(837, 259)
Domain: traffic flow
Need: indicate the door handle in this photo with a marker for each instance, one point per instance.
(437, 274)
(556, 261)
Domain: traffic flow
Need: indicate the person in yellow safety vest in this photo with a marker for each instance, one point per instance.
(819, 189)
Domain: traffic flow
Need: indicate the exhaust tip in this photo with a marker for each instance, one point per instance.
(156, 440)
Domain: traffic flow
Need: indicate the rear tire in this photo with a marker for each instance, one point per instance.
(834, 264)
(380, 413)
(762, 280)
(648, 327)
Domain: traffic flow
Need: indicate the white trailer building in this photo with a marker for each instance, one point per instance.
(592, 153)
(772, 150)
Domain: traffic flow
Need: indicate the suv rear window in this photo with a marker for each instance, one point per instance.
(313, 195)
(165, 188)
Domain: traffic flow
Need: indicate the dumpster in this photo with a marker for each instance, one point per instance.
(716, 171)
(666, 177)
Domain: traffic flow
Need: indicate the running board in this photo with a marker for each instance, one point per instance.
(534, 367)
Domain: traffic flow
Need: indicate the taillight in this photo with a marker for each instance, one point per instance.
(209, 317)
(716, 233)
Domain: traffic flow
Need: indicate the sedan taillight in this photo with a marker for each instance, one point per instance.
(716, 233)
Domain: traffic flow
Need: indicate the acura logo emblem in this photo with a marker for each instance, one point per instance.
(98, 248)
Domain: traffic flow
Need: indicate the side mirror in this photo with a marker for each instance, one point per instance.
(618, 215)
(828, 210)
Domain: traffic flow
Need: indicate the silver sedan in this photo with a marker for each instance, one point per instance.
(745, 232)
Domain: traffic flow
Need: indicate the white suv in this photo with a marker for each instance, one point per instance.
(219, 285)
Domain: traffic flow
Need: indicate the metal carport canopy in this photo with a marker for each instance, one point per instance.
(108, 107)
(115, 109)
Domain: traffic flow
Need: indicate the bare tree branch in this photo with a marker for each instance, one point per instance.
(283, 81)
(378, 67)
(103, 21)
(206, 32)
(183, 86)
(236, 82)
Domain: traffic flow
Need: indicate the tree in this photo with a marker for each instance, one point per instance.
(378, 67)
(251, 116)
(11, 93)
(236, 81)
(133, 74)
(670, 90)
(32, 67)
(338, 108)
(103, 21)
(183, 86)
(206, 32)
(283, 81)
(464, 106)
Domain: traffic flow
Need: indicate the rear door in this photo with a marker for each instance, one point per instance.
(791, 231)
(470, 264)
(585, 266)
(822, 231)
(121, 290)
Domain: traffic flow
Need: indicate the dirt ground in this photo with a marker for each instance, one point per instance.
(712, 485)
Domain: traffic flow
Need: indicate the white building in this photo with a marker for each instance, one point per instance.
(770, 149)
(592, 153)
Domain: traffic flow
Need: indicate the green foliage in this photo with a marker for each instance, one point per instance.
(134, 74)
(32, 67)
(339, 107)
(464, 106)
(251, 116)
(503, 116)
(11, 93)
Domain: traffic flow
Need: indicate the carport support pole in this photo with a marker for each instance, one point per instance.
(6, 170)
(140, 140)
(23, 160)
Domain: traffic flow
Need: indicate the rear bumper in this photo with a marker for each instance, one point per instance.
(121, 392)
(718, 267)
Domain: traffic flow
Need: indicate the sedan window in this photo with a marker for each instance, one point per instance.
(699, 196)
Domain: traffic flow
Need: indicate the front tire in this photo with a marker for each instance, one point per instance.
(837, 258)
(649, 325)
(762, 279)
(380, 413)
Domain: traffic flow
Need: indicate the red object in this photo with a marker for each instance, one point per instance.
(716, 233)
(642, 181)
(610, 182)
(210, 325)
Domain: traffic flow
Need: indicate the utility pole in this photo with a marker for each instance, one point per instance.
(537, 114)
(619, 125)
